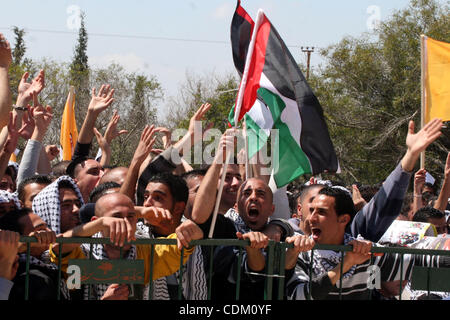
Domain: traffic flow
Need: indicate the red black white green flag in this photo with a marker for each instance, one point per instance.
(276, 96)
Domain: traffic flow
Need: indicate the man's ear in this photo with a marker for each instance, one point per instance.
(344, 218)
(273, 210)
(93, 218)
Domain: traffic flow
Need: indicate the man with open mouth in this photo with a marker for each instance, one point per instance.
(333, 276)
(248, 219)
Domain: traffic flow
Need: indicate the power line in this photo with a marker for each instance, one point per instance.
(110, 35)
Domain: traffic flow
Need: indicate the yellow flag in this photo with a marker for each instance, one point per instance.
(69, 132)
(436, 79)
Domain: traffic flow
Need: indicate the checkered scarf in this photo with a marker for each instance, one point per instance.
(99, 253)
(326, 260)
(6, 197)
(239, 223)
(46, 204)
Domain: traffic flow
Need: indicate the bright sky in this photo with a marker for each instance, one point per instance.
(169, 38)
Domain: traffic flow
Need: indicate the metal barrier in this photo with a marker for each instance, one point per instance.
(276, 254)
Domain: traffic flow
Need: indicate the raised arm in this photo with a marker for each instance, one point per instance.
(42, 117)
(104, 141)
(416, 143)
(11, 142)
(419, 182)
(444, 194)
(5, 92)
(99, 102)
(375, 217)
(206, 196)
(143, 149)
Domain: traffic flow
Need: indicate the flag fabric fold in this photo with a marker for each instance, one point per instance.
(277, 96)
(436, 67)
(69, 132)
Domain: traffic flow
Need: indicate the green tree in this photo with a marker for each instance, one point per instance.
(80, 72)
(370, 88)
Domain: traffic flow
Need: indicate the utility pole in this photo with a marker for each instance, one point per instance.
(308, 53)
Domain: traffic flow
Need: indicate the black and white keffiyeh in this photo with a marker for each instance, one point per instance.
(46, 204)
(326, 260)
(239, 223)
(98, 252)
(7, 197)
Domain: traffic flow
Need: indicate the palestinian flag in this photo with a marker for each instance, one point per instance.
(241, 31)
(287, 104)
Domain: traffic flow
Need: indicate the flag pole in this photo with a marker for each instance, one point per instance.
(237, 111)
(423, 106)
(248, 169)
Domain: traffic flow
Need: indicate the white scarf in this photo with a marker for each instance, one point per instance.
(46, 204)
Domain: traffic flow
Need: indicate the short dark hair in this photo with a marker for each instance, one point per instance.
(193, 174)
(406, 205)
(10, 221)
(368, 191)
(431, 185)
(177, 186)
(70, 171)
(65, 184)
(423, 214)
(39, 179)
(306, 189)
(343, 203)
(60, 168)
(101, 189)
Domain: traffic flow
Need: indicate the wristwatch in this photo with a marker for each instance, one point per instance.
(19, 108)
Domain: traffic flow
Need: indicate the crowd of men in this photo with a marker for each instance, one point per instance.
(156, 196)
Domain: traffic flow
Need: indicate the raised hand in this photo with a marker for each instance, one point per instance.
(26, 89)
(42, 118)
(418, 142)
(167, 137)
(145, 143)
(51, 151)
(5, 52)
(28, 124)
(198, 116)
(102, 100)
(111, 130)
(419, 181)
(226, 145)
(358, 200)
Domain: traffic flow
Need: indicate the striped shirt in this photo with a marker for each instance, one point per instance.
(357, 286)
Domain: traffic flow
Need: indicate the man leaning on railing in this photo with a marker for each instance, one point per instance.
(324, 274)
